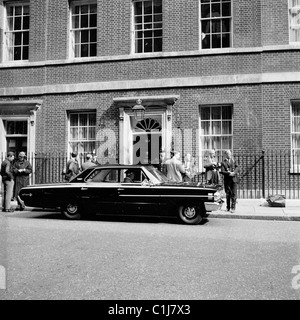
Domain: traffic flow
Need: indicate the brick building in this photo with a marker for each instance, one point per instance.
(210, 74)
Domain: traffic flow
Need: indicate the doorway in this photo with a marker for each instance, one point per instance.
(146, 140)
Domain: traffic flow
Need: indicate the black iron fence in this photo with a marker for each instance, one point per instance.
(261, 174)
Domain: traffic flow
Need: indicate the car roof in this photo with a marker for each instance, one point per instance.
(122, 166)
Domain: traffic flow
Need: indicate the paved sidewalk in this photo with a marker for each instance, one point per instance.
(252, 209)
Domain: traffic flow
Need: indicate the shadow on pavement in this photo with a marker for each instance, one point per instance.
(56, 215)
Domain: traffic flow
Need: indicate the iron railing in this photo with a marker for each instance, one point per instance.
(261, 174)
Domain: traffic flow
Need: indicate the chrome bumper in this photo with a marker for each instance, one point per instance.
(212, 206)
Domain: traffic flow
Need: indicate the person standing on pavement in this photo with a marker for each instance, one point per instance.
(72, 168)
(22, 168)
(7, 182)
(89, 162)
(175, 168)
(230, 171)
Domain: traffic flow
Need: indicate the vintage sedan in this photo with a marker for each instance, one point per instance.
(124, 190)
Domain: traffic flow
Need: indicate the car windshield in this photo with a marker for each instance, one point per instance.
(156, 176)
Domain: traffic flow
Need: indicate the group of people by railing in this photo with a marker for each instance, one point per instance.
(180, 172)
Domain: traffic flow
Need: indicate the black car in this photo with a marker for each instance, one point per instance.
(124, 190)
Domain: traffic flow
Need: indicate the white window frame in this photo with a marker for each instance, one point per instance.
(294, 20)
(220, 151)
(295, 166)
(143, 29)
(70, 140)
(72, 50)
(202, 34)
(7, 32)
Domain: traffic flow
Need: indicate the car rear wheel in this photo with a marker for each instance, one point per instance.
(71, 211)
(190, 214)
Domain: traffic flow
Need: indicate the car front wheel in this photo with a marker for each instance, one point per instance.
(71, 211)
(190, 214)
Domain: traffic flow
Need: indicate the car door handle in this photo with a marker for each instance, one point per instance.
(121, 189)
(83, 188)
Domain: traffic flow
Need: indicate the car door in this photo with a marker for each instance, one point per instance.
(101, 191)
(139, 197)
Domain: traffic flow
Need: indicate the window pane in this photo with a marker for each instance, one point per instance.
(25, 52)
(296, 110)
(83, 133)
(216, 113)
(93, 8)
(147, 7)
(226, 127)
(18, 38)
(216, 143)
(206, 143)
(226, 143)
(84, 9)
(157, 44)
(73, 119)
(93, 50)
(10, 22)
(25, 23)
(216, 127)
(226, 9)
(205, 10)
(216, 26)
(25, 10)
(157, 6)
(93, 20)
(74, 133)
(84, 36)
(148, 45)
(18, 10)
(84, 50)
(92, 133)
(226, 40)
(18, 24)
(75, 22)
(93, 35)
(205, 127)
(25, 38)
(84, 21)
(205, 113)
(215, 10)
(138, 8)
(216, 41)
(226, 112)
(148, 34)
(92, 119)
(17, 53)
(158, 18)
(83, 118)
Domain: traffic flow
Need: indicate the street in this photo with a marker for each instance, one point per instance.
(47, 257)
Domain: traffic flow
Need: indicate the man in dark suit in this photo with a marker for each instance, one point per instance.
(230, 171)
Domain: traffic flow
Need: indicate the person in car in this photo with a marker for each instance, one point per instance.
(129, 177)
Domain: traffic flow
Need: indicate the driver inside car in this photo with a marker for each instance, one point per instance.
(129, 177)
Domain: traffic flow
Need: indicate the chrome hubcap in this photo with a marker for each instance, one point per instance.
(190, 212)
(72, 208)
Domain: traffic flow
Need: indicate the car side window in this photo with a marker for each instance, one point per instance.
(104, 175)
(137, 176)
